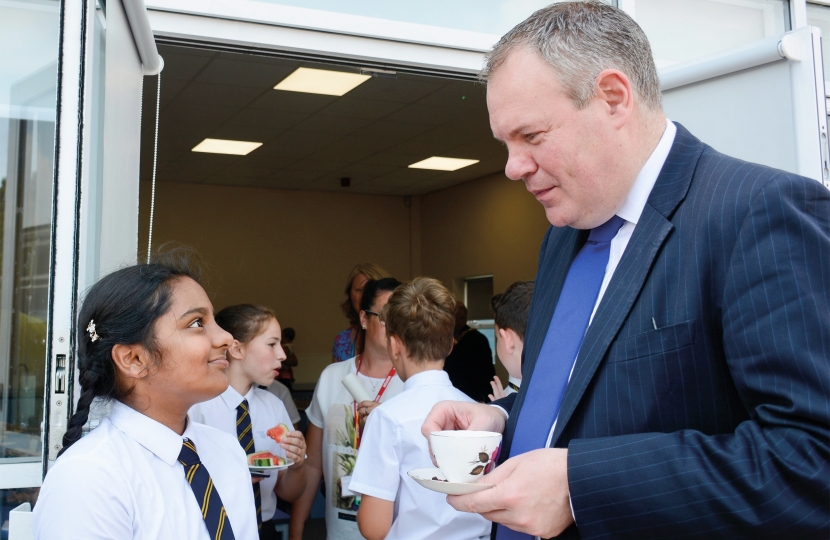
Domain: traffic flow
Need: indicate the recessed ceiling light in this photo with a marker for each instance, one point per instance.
(223, 146)
(321, 81)
(443, 163)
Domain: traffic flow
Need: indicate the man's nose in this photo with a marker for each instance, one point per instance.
(519, 165)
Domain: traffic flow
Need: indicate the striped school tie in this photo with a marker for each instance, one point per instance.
(213, 511)
(245, 434)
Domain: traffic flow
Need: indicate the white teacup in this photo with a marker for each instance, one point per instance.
(465, 456)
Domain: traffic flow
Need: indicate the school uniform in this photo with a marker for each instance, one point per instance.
(513, 385)
(125, 481)
(393, 445)
(266, 411)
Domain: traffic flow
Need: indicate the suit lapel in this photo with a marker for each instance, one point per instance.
(651, 232)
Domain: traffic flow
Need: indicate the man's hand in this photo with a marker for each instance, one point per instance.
(461, 415)
(531, 494)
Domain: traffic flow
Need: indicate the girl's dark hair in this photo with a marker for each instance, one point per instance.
(124, 307)
(370, 293)
(244, 321)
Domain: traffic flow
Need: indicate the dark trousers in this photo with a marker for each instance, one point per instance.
(268, 532)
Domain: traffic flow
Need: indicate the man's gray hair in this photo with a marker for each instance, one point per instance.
(579, 40)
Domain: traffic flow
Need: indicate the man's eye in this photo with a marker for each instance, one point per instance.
(198, 323)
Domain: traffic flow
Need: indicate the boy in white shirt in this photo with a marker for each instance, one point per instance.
(512, 309)
(419, 319)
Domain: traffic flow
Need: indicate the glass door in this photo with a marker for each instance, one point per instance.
(29, 48)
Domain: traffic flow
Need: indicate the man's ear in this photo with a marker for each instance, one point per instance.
(508, 337)
(614, 90)
(236, 351)
(131, 361)
(395, 347)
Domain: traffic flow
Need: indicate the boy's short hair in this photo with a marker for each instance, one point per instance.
(512, 307)
(421, 313)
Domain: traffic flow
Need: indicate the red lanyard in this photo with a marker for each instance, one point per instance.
(377, 399)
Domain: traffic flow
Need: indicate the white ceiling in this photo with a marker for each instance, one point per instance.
(370, 135)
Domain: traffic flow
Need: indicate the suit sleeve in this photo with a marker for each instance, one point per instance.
(770, 477)
(506, 402)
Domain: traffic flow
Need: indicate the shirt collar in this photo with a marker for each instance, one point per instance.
(152, 435)
(430, 377)
(633, 205)
(232, 398)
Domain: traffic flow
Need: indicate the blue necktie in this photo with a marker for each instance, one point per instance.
(561, 346)
(245, 436)
(207, 497)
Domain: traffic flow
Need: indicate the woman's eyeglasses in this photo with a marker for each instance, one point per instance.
(367, 312)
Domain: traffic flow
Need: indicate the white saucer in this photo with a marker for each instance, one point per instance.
(288, 463)
(425, 478)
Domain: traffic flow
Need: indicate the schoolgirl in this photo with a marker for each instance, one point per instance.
(248, 412)
(148, 342)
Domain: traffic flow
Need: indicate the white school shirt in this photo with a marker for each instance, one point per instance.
(392, 445)
(266, 411)
(284, 395)
(512, 380)
(124, 481)
(332, 411)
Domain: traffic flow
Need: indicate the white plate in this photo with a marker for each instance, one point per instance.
(425, 478)
(288, 463)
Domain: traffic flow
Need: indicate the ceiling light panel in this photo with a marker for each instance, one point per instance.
(437, 163)
(321, 81)
(224, 146)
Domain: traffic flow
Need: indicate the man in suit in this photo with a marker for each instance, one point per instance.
(677, 359)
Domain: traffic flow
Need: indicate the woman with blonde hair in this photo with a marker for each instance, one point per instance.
(349, 342)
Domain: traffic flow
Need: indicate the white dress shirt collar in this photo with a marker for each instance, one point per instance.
(633, 205)
(152, 435)
(430, 377)
(232, 398)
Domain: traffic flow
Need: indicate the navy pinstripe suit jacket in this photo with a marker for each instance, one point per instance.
(716, 424)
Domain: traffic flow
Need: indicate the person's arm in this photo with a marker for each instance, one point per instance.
(314, 474)
(374, 518)
(291, 483)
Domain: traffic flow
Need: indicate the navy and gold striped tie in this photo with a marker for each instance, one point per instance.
(245, 434)
(213, 511)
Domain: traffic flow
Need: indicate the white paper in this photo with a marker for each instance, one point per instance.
(355, 388)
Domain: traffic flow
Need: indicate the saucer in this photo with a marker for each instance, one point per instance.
(288, 463)
(425, 478)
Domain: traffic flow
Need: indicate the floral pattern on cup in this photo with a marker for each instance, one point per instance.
(485, 463)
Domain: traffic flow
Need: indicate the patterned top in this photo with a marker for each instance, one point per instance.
(344, 345)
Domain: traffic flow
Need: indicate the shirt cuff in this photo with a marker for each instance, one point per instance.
(504, 412)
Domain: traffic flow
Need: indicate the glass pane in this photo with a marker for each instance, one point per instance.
(680, 30)
(28, 76)
(820, 16)
(485, 16)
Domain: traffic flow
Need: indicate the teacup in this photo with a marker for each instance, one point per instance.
(465, 456)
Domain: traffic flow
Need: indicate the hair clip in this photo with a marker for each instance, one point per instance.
(93, 335)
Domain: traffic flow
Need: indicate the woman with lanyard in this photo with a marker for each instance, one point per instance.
(336, 421)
